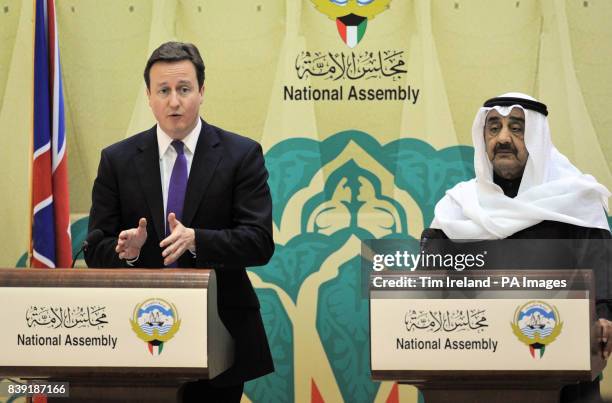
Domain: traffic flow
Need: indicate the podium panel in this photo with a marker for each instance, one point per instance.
(104, 327)
(125, 333)
(480, 334)
(484, 335)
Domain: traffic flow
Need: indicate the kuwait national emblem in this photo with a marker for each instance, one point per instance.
(155, 321)
(351, 16)
(537, 324)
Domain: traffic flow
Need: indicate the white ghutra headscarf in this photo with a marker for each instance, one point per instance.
(551, 187)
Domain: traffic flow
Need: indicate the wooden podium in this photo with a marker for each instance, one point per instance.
(461, 340)
(113, 334)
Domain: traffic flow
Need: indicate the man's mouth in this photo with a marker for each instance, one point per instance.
(505, 151)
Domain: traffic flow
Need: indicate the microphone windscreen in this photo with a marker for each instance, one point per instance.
(94, 237)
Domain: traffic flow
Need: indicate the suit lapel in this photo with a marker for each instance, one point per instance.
(147, 167)
(205, 160)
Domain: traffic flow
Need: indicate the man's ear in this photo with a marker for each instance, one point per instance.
(148, 92)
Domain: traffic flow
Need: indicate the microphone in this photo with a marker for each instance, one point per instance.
(92, 239)
(426, 235)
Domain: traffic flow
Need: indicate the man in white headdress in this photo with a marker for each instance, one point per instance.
(526, 189)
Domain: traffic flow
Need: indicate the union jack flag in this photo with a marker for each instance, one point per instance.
(50, 244)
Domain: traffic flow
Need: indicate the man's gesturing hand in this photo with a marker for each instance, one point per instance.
(604, 330)
(131, 240)
(180, 240)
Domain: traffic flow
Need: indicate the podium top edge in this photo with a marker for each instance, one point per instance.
(106, 278)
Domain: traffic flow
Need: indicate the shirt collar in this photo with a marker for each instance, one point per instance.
(190, 141)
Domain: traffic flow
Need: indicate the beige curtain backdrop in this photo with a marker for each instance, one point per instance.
(458, 52)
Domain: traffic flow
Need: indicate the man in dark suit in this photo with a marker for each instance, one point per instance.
(188, 194)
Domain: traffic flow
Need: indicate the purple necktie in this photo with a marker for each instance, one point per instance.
(177, 187)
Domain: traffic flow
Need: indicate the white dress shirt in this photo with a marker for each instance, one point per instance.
(167, 156)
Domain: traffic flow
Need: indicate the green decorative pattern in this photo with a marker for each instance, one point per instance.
(295, 261)
(278, 386)
(342, 312)
(342, 322)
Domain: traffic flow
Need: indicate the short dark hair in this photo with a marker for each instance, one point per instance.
(175, 52)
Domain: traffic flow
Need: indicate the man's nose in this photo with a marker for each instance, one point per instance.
(504, 135)
(174, 101)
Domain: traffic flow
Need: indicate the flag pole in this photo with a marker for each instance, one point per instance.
(31, 162)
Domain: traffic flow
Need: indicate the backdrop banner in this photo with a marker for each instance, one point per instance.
(364, 110)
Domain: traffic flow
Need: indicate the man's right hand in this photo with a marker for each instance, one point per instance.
(131, 240)
(605, 332)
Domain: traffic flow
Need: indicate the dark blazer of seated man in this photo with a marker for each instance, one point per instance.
(188, 194)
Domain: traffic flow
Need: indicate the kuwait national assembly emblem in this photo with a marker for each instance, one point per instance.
(537, 324)
(155, 321)
(351, 16)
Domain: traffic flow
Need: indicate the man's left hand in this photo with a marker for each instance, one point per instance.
(604, 330)
(178, 242)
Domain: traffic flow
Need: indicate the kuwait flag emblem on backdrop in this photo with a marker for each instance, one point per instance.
(351, 28)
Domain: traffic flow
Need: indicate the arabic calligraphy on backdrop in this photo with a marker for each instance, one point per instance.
(446, 321)
(67, 317)
(351, 66)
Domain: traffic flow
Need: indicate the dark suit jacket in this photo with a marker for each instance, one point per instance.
(228, 204)
(548, 245)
